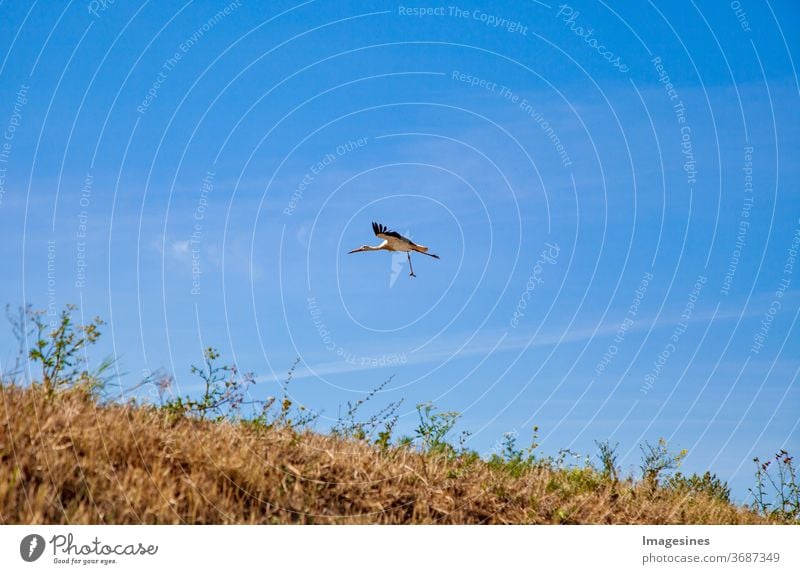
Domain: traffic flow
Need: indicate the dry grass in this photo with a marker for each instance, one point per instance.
(66, 459)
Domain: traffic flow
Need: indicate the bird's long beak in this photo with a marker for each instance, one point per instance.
(355, 250)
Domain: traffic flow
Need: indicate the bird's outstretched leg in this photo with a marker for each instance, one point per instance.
(411, 274)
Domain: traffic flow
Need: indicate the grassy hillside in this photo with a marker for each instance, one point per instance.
(66, 458)
(70, 454)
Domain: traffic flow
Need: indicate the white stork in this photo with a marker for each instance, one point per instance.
(393, 241)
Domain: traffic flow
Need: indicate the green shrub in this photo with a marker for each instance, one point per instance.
(658, 460)
(376, 428)
(608, 458)
(61, 349)
(708, 484)
(433, 429)
(777, 491)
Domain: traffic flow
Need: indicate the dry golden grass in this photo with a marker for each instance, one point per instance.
(66, 459)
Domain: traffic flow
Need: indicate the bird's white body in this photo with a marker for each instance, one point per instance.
(395, 245)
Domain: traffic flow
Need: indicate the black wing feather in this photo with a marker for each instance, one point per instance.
(378, 228)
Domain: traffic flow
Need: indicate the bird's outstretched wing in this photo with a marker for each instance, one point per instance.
(384, 233)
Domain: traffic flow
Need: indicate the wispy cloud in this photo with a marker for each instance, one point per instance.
(495, 341)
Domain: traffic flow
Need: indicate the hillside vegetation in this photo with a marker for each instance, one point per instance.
(70, 454)
(65, 459)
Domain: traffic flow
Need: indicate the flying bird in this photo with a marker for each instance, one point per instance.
(393, 241)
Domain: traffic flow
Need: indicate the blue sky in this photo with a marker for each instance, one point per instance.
(616, 252)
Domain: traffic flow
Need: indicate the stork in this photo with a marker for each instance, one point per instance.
(393, 241)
